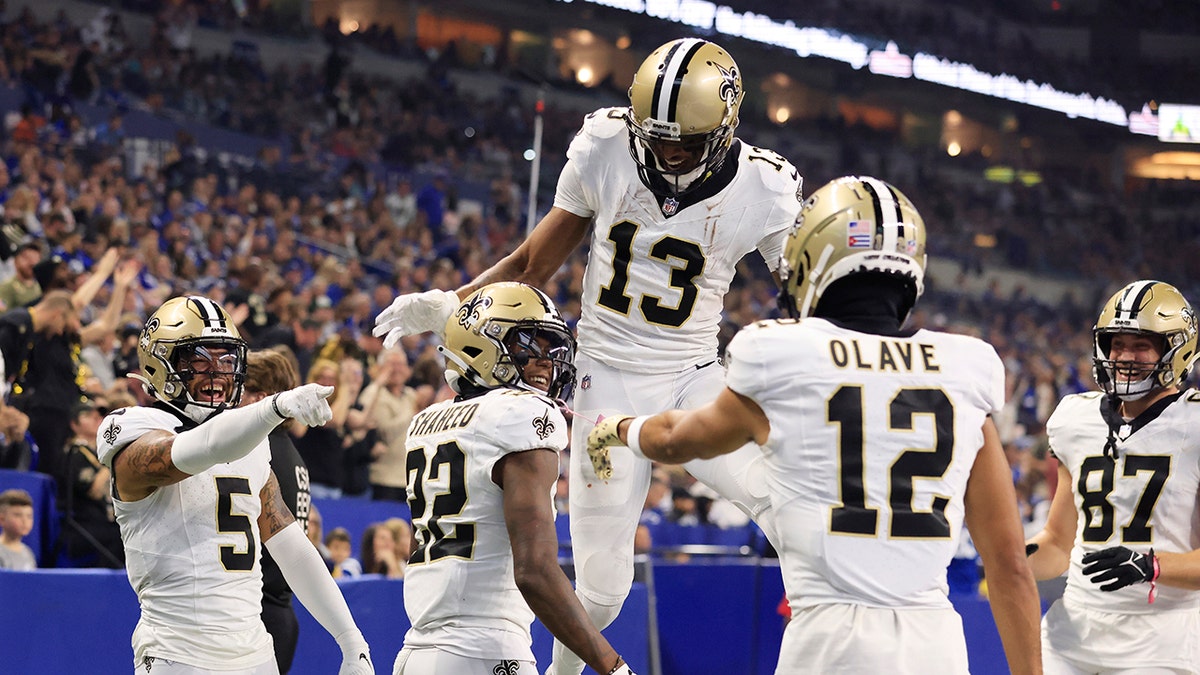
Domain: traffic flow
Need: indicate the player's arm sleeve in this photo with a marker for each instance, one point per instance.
(310, 580)
(226, 438)
(995, 383)
(572, 193)
(783, 217)
(745, 365)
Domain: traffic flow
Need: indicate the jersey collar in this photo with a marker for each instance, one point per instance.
(710, 186)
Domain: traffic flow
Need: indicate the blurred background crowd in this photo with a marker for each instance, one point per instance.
(305, 195)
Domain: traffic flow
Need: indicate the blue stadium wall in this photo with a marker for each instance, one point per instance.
(717, 618)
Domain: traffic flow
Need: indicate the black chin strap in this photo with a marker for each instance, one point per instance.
(1111, 421)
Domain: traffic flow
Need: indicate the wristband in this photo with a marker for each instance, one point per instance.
(275, 407)
(1157, 571)
(632, 436)
(620, 661)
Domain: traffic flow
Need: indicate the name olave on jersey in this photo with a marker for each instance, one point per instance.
(884, 355)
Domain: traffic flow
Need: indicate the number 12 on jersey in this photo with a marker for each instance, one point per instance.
(845, 408)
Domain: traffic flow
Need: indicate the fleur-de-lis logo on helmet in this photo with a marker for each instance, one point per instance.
(1189, 318)
(730, 90)
(469, 312)
(151, 326)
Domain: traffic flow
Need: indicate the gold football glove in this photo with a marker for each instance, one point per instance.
(603, 435)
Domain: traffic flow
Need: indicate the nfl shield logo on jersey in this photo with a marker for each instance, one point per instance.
(670, 206)
(586, 382)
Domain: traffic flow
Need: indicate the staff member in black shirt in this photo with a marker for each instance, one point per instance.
(90, 532)
(270, 371)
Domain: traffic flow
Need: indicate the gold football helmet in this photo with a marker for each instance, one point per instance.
(1147, 308)
(180, 334)
(851, 225)
(685, 94)
(501, 328)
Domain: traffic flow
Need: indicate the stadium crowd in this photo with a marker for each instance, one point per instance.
(357, 196)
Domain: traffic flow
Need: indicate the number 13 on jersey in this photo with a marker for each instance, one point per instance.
(685, 259)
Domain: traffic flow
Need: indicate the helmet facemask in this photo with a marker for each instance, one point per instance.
(1131, 380)
(649, 149)
(202, 365)
(525, 346)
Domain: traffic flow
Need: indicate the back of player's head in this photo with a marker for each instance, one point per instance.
(1151, 309)
(687, 92)
(851, 227)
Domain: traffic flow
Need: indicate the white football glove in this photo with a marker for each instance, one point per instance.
(306, 404)
(623, 669)
(603, 435)
(414, 313)
(356, 655)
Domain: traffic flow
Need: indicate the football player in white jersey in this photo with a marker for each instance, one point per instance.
(879, 444)
(194, 495)
(482, 475)
(1125, 512)
(668, 226)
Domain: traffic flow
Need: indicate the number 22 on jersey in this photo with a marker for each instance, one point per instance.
(439, 491)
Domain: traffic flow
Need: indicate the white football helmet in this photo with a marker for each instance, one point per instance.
(687, 94)
(1145, 308)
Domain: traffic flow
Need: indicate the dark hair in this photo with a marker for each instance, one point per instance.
(337, 534)
(15, 497)
(370, 562)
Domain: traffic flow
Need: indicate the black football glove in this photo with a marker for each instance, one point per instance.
(1120, 567)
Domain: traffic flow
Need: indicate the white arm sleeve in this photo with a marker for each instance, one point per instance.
(570, 194)
(305, 572)
(241, 430)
